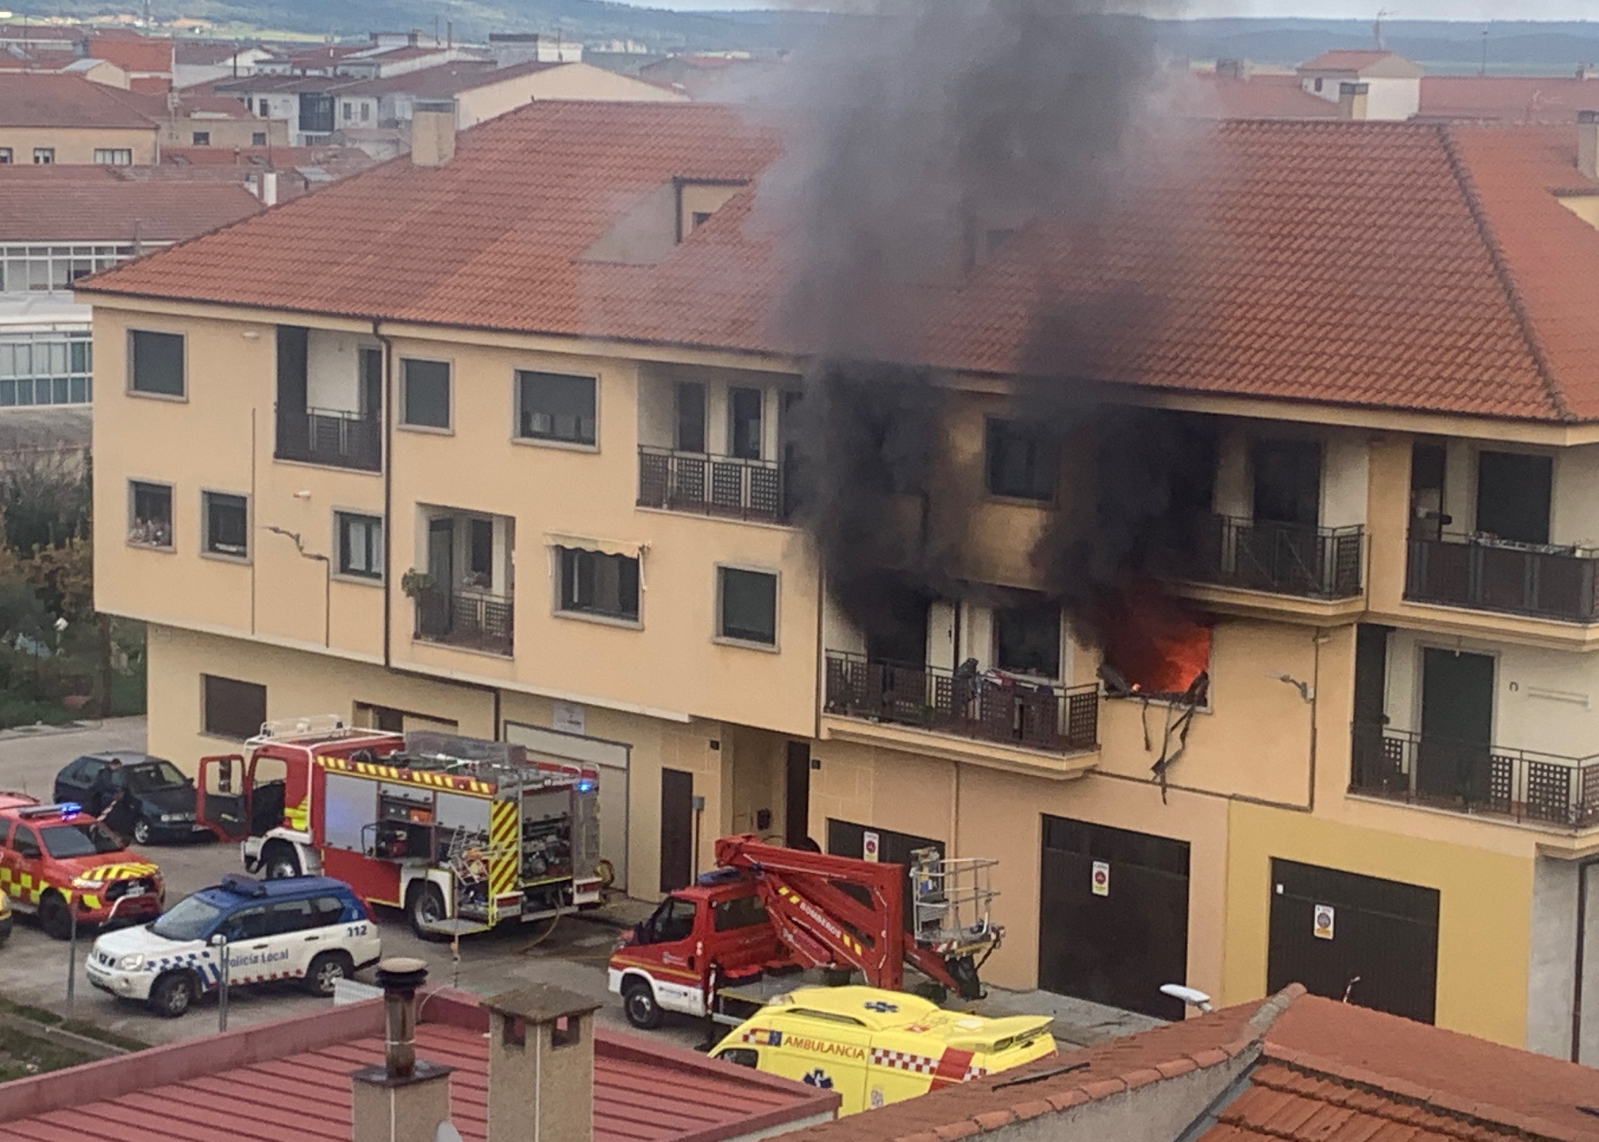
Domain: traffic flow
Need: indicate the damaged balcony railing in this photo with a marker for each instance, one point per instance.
(1488, 574)
(711, 485)
(1286, 559)
(1056, 718)
(1520, 784)
(325, 436)
(477, 622)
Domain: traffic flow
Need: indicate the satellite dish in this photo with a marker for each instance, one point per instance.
(446, 1132)
(1192, 996)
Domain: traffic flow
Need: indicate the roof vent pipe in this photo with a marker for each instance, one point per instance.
(1588, 144)
(400, 979)
(403, 1098)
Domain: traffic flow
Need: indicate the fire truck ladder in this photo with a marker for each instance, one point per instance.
(469, 857)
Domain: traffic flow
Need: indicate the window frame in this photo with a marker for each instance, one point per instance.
(1061, 663)
(206, 550)
(132, 390)
(575, 445)
(172, 538)
(403, 421)
(991, 424)
(342, 516)
(561, 610)
(113, 156)
(720, 635)
(258, 138)
(223, 732)
(49, 158)
(7, 156)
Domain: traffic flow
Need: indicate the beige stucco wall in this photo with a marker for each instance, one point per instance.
(76, 145)
(224, 132)
(569, 81)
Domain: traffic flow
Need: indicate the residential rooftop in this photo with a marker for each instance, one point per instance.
(52, 99)
(96, 208)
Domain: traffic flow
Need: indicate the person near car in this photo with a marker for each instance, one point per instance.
(122, 815)
(105, 787)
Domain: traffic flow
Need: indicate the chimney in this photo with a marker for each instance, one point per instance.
(1352, 100)
(541, 1065)
(1588, 143)
(432, 132)
(269, 188)
(402, 1099)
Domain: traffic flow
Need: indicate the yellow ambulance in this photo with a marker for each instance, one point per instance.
(876, 1047)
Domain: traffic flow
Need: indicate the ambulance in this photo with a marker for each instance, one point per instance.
(874, 1047)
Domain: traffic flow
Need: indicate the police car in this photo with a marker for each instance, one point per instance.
(311, 929)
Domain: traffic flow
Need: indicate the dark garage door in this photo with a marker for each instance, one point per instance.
(1119, 945)
(849, 840)
(1381, 945)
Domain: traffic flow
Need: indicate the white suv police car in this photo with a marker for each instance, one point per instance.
(307, 928)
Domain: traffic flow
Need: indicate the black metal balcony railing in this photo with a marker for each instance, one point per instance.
(1520, 784)
(1286, 559)
(1492, 575)
(322, 436)
(478, 622)
(1060, 719)
(711, 485)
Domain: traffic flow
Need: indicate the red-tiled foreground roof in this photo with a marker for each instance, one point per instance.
(290, 1080)
(1397, 265)
(96, 208)
(1296, 1068)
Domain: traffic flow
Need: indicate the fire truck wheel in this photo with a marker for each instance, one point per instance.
(171, 995)
(54, 918)
(638, 1002)
(326, 970)
(280, 862)
(425, 905)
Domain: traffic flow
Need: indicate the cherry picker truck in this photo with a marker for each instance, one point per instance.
(720, 948)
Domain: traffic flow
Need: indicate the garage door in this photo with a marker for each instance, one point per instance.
(611, 759)
(1113, 916)
(846, 839)
(1341, 934)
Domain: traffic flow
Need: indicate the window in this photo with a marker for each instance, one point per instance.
(366, 111)
(113, 157)
(155, 361)
(258, 138)
(673, 921)
(349, 111)
(232, 709)
(202, 138)
(1514, 495)
(1020, 464)
(291, 916)
(1318, 83)
(360, 545)
(265, 109)
(699, 218)
(1027, 640)
(596, 584)
(227, 524)
(249, 924)
(26, 842)
(745, 912)
(425, 393)
(149, 514)
(43, 156)
(1287, 481)
(480, 553)
(44, 368)
(551, 406)
(748, 606)
(690, 417)
(744, 423)
(5, 156)
(742, 1057)
(28, 268)
(328, 910)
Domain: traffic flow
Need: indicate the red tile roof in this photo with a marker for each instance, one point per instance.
(226, 1089)
(94, 208)
(1409, 266)
(1259, 97)
(139, 54)
(1508, 98)
(1344, 59)
(446, 79)
(32, 99)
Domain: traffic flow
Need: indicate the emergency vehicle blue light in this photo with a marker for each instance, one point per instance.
(70, 808)
(585, 786)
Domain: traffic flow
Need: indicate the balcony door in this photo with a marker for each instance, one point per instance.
(1457, 697)
(1281, 550)
(1513, 496)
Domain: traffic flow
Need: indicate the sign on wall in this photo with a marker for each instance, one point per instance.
(1100, 878)
(568, 718)
(1322, 918)
(871, 848)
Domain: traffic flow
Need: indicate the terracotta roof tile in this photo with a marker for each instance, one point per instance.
(1344, 59)
(95, 208)
(1509, 98)
(135, 53)
(37, 99)
(1259, 97)
(1411, 266)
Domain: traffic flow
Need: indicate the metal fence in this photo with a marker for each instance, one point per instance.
(1489, 575)
(1287, 559)
(478, 622)
(324, 436)
(711, 485)
(1056, 718)
(1523, 785)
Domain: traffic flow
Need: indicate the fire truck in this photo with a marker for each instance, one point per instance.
(461, 833)
(723, 946)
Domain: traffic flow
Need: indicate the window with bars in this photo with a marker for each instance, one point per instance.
(45, 368)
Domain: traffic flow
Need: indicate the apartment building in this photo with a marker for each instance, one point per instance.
(68, 119)
(508, 445)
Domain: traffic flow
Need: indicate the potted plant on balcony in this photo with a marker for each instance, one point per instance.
(414, 582)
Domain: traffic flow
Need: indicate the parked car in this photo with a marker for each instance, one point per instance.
(54, 858)
(310, 929)
(163, 796)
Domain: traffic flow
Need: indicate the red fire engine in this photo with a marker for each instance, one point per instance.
(720, 947)
(461, 833)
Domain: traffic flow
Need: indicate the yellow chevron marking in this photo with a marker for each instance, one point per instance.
(124, 871)
(503, 840)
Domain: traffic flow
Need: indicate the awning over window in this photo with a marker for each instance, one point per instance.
(631, 548)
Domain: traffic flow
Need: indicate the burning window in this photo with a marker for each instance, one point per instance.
(1156, 648)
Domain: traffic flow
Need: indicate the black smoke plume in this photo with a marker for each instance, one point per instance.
(945, 128)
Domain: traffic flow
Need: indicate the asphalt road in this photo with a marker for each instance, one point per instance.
(33, 967)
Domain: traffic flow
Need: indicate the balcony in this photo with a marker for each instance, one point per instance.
(1009, 712)
(337, 439)
(1493, 575)
(1283, 559)
(1516, 784)
(711, 485)
(468, 620)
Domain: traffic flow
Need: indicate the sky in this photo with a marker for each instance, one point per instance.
(1473, 10)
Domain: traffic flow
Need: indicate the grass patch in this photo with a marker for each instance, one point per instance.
(23, 1055)
(47, 1018)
